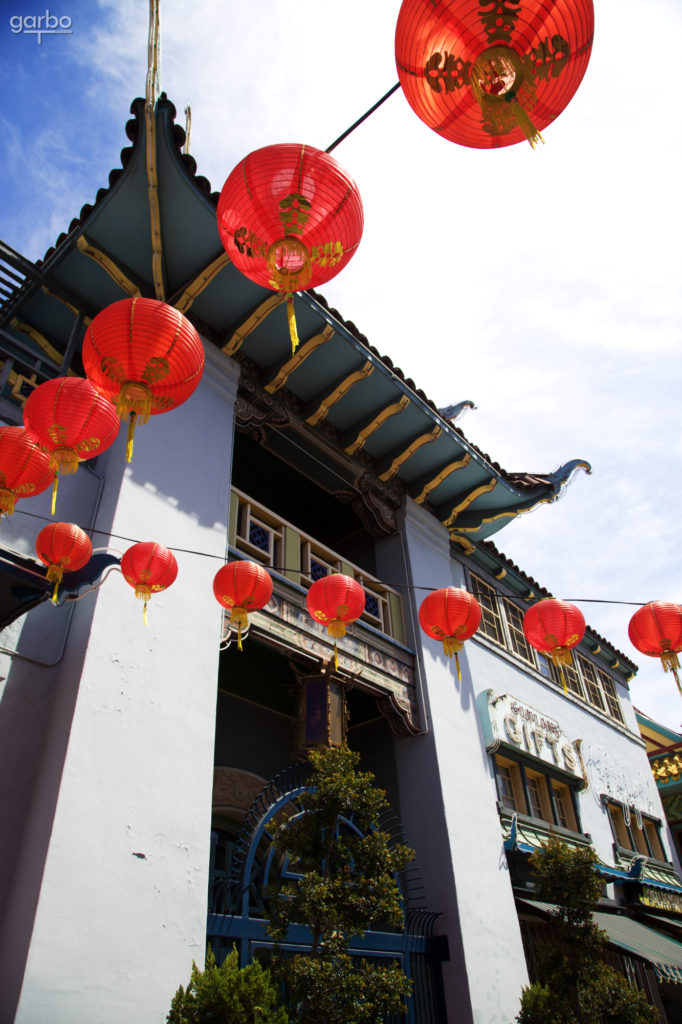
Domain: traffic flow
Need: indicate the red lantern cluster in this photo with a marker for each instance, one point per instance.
(489, 73)
(63, 547)
(242, 587)
(656, 630)
(290, 218)
(554, 627)
(68, 418)
(145, 356)
(452, 616)
(149, 568)
(24, 469)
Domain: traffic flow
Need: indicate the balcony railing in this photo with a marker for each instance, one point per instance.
(267, 538)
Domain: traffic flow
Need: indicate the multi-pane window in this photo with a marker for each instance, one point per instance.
(519, 644)
(635, 832)
(491, 620)
(609, 688)
(502, 622)
(535, 793)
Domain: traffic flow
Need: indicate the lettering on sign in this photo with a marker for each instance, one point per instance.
(510, 721)
(661, 899)
(618, 780)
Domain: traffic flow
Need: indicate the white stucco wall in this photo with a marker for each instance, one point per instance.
(121, 910)
(447, 799)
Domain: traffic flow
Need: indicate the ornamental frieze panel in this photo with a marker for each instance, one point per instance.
(255, 410)
(365, 660)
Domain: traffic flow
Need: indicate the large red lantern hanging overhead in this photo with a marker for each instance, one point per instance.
(290, 218)
(336, 601)
(24, 469)
(242, 587)
(554, 627)
(149, 568)
(490, 73)
(63, 547)
(145, 356)
(656, 630)
(451, 615)
(68, 418)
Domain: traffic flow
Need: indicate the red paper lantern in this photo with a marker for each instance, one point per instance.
(242, 587)
(450, 615)
(63, 547)
(489, 73)
(336, 601)
(68, 418)
(555, 628)
(145, 356)
(290, 218)
(149, 568)
(24, 469)
(656, 630)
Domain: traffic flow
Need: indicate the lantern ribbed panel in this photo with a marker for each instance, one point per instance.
(145, 341)
(242, 584)
(295, 192)
(438, 42)
(335, 598)
(656, 628)
(552, 625)
(450, 613)
(70, 419)
(64, 545)
(24, 469)
(149, 566)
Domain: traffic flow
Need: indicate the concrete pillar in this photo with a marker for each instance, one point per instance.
(114, 872)
(448, 810)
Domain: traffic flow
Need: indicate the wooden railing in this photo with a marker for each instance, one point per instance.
(267, 538)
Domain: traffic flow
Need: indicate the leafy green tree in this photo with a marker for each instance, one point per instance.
(579, 987)
(227, 995)
(347, 886)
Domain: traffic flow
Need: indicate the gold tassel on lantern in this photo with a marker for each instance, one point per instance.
(143, 593)
(291, 316)
(671, 663)
(562, 656)
(451, 645)
(55, 574)
(240, 619)
(6, 502)
(134, 401)
(505, 92)
(336, 629)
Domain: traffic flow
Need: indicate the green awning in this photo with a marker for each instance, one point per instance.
(663, 953)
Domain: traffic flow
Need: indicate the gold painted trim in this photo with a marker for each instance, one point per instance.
(150, 150)
(390, 410)
(33, 333)
(114, 271)
(464, 543)
(511, 514)
(470, 499)
(301, 354)
(338, 393)
(201, 281)
(438, 479)
(597, 649)
(87, 320)
(252, 322)
(501, 574)
(413, 447)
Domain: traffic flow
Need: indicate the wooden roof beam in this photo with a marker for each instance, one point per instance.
(399, 458)
(123, 276)
(286, 367)
(371, 424)
(247, 326)
(425, 486)
(321, 405)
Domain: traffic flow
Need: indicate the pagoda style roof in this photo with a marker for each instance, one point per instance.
(153, 233)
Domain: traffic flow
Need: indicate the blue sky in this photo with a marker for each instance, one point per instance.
(544, 285)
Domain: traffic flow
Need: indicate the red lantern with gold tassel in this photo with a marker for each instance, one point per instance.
(451, 615)
(68, 418)
(149, 568)
(336, 601)
(490, 73)
(242, 587)
(145, 356)
(290, 218)
(64, 548)
(656, 630)
(554, 627)
(25, 470)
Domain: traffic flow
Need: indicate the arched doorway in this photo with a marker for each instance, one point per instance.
(249, 864)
